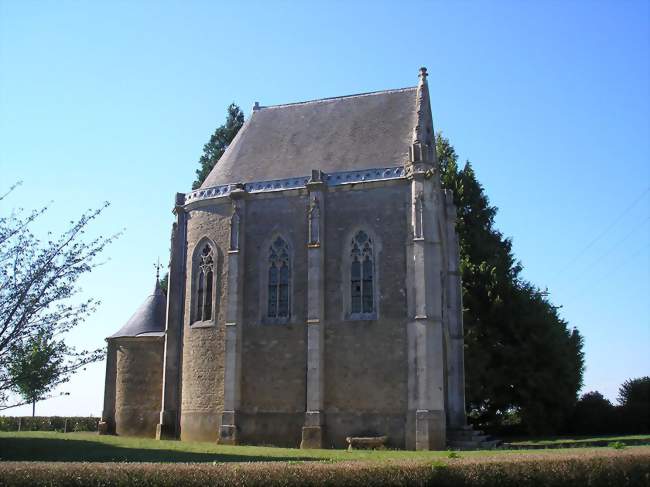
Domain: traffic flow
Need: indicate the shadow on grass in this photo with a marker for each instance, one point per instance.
(56, 450)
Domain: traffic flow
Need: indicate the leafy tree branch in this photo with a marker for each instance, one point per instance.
(38, 281)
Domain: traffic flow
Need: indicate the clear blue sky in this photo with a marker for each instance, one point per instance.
(549, 100)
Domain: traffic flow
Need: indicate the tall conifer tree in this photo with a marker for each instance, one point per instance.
(520, 357)
(218, 143)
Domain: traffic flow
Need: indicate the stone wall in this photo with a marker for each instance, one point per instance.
(138, 385)
(203, 344)
(273, 353)
(365, 361)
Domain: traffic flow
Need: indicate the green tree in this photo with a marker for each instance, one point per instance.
(218, 143)
(38, 281)
(36, 366)
(634, 400)
(634, 391)
(593, 415)
(520, 355)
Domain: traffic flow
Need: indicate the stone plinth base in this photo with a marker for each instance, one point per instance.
(228, 430)
(312, 437)
(165, 432)
(166, 429)
(104, 428)
(228, 435)
(430, 430)
(312, 431)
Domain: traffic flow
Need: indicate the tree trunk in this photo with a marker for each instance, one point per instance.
(33, 407)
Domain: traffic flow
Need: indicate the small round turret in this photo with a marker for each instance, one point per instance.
(133, 391)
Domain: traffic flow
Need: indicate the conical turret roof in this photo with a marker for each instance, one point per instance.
(149, 319)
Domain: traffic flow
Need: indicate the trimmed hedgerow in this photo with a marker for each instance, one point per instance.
(620, 468)
(48, 423)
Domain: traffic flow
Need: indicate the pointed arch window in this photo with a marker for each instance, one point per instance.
(362, 275)
(205, 284)
(279, 279)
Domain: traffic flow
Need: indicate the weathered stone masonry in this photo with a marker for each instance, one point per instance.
(134, 362)
(320, 354)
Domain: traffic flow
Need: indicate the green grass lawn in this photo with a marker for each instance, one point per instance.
(579, 440)
(90, 447)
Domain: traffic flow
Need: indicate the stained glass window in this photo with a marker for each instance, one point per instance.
(362, 274)
(204, 293)
(279, 279)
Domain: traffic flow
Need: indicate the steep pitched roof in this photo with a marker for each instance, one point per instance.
(334, 134)
(149, 319)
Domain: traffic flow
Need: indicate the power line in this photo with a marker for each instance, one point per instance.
(615, 246)
(611, 270)
(604, 232)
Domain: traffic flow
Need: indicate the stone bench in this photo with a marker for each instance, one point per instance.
(366, 442)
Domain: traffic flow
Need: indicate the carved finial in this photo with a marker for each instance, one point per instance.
(421, 149)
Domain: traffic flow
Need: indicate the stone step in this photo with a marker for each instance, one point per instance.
(467, 438)
(465, 432)
(473, 445)
(489, 444)
(478, 438)
(464, 445)
(465, 435)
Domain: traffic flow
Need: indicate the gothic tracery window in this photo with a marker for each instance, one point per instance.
(279, 276)
(362, 274)
(204, 290)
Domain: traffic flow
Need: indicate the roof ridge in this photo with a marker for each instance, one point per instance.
(318, 100)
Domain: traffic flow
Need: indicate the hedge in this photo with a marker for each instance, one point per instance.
(619, 468)
(48, 423)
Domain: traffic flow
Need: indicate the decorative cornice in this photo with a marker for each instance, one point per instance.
(330, 179)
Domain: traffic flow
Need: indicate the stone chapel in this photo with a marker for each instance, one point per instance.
(314, 289)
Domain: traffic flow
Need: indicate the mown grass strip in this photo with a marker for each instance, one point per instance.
(90, 447)
(579, 441)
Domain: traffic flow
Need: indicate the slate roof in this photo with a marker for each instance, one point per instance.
(334, 134)
(149, 319)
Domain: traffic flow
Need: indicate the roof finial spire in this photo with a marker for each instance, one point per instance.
(422, 149)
